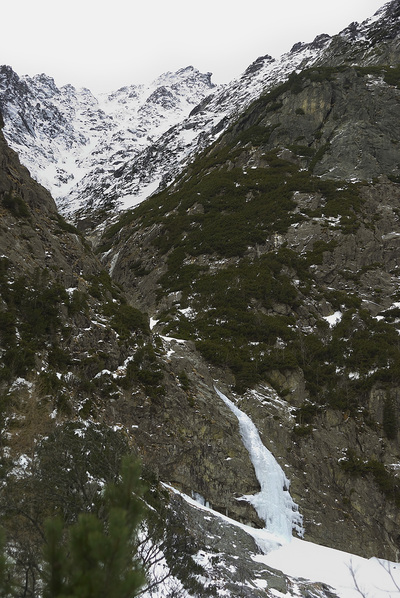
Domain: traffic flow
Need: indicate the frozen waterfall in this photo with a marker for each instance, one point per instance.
(273, 503)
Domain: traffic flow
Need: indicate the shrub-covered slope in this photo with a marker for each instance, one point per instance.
(275, 254)
(83, 383)
(270, 270)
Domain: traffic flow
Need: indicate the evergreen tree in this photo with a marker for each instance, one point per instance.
(390, 419)
(5, 582)
(97, 557)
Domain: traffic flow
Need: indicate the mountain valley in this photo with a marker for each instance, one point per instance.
(205, 242)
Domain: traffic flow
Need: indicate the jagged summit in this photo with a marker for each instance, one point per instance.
(64, 133)
(110, 152)
(188, 74)
(319, 43)
(385, 24)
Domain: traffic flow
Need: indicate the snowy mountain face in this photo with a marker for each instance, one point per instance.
(111, 152)
(64, 134)
(99, 155)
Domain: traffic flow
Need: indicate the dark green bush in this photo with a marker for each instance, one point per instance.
(145, 369)
(16, 206)
(65, 226)
(58, 358)
(306, 412)
(390, 424)
(77, 303)
(127, 320)
(101, 286)
(302, 431)
(49, 383)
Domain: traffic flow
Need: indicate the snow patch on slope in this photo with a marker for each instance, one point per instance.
(348, 575)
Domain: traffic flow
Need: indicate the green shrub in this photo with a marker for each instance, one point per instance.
(316, 256)
(145, 369)
(16, 206)
(390, 424)
(302, 431)
(184, 380)
(77, 303)
(101, 286)
(127, 320)
(306, 412)
(65, 226)
(49, 383)
(97, 555)
(302, 150)
(319, 154)
(58, 358)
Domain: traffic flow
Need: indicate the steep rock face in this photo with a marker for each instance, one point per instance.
(66, 352)
(29, 207)
(284, 274)
(342, 119)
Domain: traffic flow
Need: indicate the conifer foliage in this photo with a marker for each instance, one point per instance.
(6, 587)
(96, 557)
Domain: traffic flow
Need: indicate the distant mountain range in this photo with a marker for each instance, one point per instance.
(100, 154)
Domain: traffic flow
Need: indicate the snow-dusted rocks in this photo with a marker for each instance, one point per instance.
(107, 153)
(111, 152)
(75, 144)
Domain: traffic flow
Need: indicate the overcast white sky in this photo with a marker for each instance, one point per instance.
(105, 45)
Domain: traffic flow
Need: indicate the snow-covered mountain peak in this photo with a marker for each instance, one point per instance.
(385, 24)
(110, 152)
(319, 43)
(115, 149)
(62, 134)
(44, 84)
(187, 77)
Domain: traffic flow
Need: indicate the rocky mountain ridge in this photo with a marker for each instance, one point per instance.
(111, 152)
(64, 134)
(81, 378)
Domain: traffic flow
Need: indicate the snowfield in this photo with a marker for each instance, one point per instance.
(349, 575)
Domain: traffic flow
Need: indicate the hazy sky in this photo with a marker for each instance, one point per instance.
(105, 45)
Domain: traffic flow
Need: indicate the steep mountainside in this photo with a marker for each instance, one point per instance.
(82, 382)
(250, 306)
(276, 253)
(96, 155)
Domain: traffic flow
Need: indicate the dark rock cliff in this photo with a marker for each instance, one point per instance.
(290, 218)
